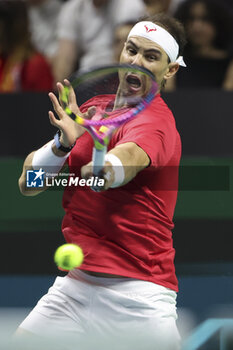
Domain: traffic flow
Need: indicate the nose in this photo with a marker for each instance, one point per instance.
(138, 60)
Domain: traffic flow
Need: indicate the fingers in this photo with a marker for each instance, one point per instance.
(67, 83)
(67, 96)
(105, 175)
(90, 112)
(57, 107)
(53, 120)
(63, 95)
(72, 96)
(66, 93)
(87, 171)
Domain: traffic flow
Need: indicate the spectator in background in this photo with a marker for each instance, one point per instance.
(166, 6)
(21, 67)
(85, 32)
(43, 16)
(121, 33)
(173, 6)
(157, 6)
(208, 53)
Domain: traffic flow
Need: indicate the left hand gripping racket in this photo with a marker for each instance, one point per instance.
(130, 88)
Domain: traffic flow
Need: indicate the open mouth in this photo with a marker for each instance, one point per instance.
(134, 82)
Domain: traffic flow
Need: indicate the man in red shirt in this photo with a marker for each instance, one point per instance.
(126, 287)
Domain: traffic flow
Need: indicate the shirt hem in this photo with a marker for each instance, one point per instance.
(152, 279)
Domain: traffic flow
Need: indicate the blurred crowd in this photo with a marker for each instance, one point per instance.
(45, 41)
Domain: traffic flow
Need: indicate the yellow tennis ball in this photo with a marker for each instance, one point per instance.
(68, 256)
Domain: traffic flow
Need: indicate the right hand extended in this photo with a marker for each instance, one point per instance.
(70, 130)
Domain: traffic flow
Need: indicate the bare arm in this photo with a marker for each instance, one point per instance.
(132, 157)
(28, 166)
(70, 132)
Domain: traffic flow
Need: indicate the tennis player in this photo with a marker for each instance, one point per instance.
(125, 291)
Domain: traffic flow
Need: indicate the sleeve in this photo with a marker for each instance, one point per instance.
(155, 135)
(69, 19)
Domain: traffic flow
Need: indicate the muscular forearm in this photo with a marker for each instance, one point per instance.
(50, 158)
(34, 162)
(130, 159)
(133, 159)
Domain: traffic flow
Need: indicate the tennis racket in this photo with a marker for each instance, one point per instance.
(128, 90)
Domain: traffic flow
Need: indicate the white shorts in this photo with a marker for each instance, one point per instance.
(105, 313)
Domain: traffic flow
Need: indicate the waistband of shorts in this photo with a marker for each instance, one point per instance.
(126, 284)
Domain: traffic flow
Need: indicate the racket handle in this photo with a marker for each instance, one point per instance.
(98, 159)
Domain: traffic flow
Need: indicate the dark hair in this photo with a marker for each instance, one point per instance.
(217, 14)
(14, 25)
(172, 26)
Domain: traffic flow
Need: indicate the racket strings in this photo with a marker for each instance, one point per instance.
(100, 85)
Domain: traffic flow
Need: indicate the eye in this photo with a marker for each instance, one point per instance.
(131, 51)
(152, 57)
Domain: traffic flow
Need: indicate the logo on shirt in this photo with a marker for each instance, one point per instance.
(35, 178)
(148, 30)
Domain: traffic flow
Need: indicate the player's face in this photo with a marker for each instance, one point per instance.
(147, 54)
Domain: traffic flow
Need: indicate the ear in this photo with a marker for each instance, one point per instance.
(172, 69)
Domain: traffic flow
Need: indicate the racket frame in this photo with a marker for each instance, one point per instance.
(101, 137)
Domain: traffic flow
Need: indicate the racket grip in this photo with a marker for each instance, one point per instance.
(98, 159)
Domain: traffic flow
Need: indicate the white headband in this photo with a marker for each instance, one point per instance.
(160, 36)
